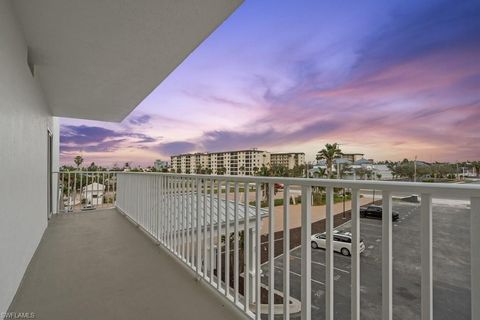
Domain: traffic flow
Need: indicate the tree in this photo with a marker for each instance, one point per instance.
(361, 173)
(476, 165)
(329, 154)
(92, 167)
(391, 166)
(320, 173)
(265, 172)
(78, 161)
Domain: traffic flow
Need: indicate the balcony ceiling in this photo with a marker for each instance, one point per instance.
(99, 59)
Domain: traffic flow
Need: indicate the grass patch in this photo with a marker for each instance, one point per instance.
(318, 200)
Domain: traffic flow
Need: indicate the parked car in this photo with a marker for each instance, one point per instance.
(375, 212)
(279, 186)
(342, 242)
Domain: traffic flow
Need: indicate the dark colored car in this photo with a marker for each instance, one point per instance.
(376, 212)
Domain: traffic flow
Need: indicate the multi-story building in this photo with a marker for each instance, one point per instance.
(241, 162)
(160, 165)
(352, 157)
(287, 159)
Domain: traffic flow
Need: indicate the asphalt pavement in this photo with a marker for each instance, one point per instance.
(451, 267)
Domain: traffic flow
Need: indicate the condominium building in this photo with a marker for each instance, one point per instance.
(241, 162)
(287, 159)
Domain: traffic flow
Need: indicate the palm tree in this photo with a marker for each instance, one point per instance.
(329, 153)
(78, 161)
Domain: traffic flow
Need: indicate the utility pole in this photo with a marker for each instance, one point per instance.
(415, 169)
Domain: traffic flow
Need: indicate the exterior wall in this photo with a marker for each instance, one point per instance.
(24, 121)
(352, 157)
(289, 160)
(242, 162)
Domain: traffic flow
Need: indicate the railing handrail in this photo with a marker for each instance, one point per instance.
(447, 190)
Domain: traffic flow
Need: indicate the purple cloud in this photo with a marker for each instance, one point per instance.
(176, 147)
(97, 139)
(140, 119)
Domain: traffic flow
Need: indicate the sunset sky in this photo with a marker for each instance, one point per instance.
(391, 79)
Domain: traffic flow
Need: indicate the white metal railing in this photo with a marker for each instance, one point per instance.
(192, 216)
(85, 190)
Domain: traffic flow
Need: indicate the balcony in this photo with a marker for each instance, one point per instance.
(169, 230)
(97, 265)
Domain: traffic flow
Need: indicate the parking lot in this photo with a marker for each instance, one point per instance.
(451, 267)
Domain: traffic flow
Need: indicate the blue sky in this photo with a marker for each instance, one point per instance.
(391, 79)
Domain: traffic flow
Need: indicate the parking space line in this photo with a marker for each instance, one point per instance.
(322, 264)
(299, 275)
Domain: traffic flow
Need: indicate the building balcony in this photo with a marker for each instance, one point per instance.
(158, 250)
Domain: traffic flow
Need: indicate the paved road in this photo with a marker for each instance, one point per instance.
(451, 251)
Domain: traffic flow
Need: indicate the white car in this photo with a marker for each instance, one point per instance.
(342, 242)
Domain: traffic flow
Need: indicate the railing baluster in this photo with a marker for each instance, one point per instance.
(387, 256)
(157, 206)
(286, 253)
(258, 248)
(306, 281)
(184, 217)
(246, 248)
(198, 225)
(355, 278)
(227, 241)
(68, 194)
(188, 216)
(80, 191)
(475, 255)
(212, 184)
(176, 215)
(205, 260)
(329, 256)
(74, 190)
(192, 222)
(271, 251)
(235, 245)
(219, 236)
(426, 256)
(163, 209)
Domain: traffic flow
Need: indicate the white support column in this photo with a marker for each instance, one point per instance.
(355, 278)
(475, 255)
(306, 281)
(329, 254)
(387, 256)
(426, 257)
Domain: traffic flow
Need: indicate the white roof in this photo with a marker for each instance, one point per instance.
(251, 211)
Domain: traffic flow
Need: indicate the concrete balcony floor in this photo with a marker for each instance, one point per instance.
(97, 265)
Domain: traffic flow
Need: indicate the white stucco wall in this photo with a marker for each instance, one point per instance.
(24, 120)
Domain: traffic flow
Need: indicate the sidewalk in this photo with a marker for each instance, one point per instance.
(318, 213)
